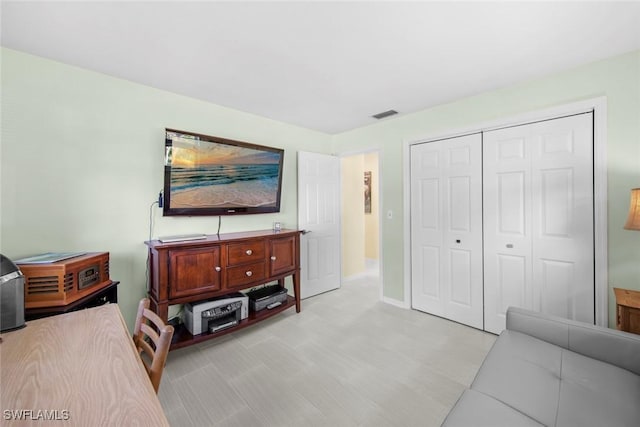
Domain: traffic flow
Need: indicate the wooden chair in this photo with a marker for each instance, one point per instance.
(150, 329)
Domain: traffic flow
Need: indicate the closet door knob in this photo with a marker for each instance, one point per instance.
(273, 258)
(218, 269)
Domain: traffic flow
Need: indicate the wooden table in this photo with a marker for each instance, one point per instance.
(75, 369)
(627, 310)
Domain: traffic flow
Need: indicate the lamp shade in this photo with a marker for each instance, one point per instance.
(633, 220)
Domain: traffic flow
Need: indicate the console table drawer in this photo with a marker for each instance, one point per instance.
(238, 277)
(245, 252)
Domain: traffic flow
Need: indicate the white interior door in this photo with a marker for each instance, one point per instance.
(538, 214)
(319, 217)
(446, 229)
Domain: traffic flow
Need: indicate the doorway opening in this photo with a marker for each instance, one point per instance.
(360, 205)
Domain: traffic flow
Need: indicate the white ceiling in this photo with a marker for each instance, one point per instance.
(327, 66)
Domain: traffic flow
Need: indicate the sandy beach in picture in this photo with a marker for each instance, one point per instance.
(242, 193)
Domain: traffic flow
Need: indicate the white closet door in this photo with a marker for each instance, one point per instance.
(538, 219)
(446, 228)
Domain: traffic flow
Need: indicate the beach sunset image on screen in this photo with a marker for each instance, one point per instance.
(207, 174)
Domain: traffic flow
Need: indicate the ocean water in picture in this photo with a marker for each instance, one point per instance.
(224, 185)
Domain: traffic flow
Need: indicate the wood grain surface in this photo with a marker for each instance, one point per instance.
(80, 369)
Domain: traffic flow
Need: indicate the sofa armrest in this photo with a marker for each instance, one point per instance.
(618, 348)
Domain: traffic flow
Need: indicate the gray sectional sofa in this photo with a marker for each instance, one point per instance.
(549, 371)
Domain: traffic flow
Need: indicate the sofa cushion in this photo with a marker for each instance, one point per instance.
(596, 393)
(558, 387)
(479, 410)
(523, 373)
(590, 340)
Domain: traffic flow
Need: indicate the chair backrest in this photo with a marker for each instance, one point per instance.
(150, 329)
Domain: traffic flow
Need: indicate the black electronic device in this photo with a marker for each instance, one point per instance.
(209, 175)
(266, 297)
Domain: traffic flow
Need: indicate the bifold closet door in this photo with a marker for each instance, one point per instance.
(446, 228)
(538, 219)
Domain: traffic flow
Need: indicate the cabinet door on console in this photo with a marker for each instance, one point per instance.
(194, 271)
(282, 253)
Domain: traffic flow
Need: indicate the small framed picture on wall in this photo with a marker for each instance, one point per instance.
(367, 192)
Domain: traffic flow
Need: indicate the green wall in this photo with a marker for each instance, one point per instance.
(617, 78)
(82, 161)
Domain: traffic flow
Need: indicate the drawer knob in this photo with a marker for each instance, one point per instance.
(249, 273)
(218, 269)
(273, 258)
(249, 252)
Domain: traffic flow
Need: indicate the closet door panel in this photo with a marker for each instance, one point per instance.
(562, 217)
(460, 202)
(512, 281)
(429, 270)
(461, 277)
(538, 206)
(463, 230)
(426, 229)
(446, 220)
(558, 285)
(556, 210)
(511, 193)
(507, 237)
(429, 205)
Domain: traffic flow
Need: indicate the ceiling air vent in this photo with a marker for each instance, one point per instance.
(384, 114)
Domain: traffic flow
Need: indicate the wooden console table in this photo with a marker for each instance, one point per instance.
(196, 270)
(627, 310)
(81, 368)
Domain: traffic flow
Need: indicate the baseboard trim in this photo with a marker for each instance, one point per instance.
(396, 303)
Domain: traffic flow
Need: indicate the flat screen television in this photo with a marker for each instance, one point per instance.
(207, 175)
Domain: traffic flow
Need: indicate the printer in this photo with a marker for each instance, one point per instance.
(215, 314)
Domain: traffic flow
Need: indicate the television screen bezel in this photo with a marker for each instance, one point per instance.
(217, 211)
